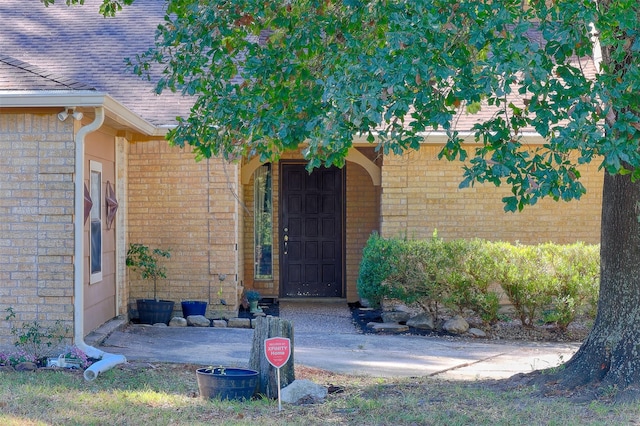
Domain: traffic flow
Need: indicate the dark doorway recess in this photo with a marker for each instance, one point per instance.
(311, 232)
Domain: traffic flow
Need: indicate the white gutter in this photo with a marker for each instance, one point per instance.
(81, 98)
(50, 98)
(107, 360)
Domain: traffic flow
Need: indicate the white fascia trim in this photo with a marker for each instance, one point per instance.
(80, 98)
(438, 137)
(50, 98)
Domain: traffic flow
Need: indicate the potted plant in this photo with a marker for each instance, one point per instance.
(145, 261)
(253, 297)
(226, 382)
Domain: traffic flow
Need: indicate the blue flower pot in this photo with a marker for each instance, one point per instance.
(193, 307)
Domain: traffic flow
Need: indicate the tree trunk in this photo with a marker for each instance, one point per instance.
(610, 356)
(267, 327)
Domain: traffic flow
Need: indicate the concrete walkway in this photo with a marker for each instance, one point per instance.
(338, 348)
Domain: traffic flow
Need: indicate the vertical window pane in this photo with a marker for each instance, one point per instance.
(95, 229)
(96, 243)
(263, 223)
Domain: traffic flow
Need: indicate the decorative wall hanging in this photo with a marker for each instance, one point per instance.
(88, 203)
(112, 205)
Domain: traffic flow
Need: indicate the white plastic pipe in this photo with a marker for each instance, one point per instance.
(106, 360)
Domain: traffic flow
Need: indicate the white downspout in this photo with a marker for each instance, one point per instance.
(107, 360)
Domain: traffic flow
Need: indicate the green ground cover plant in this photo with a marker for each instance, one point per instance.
(166, 394)
(34, 341)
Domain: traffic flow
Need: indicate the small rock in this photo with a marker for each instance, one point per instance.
(159, 324)
(178, 322)
(389, 327)
(303, 391)
(26, 366)
(456, 325)
(219, 323)
(395, 316)
(401, 307)
(476, 332)
(422, 321)
(335, 389)
(394, 305)
(198, 321)
(239, 323)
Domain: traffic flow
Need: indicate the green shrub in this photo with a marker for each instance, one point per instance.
(550, 282)
(401, 269)
(576, 284)
(468, 275)
(414, 277)
(480, 264)
(432, 273)
(545, 282)
(586, 263)
(379, 258)
(525, 276)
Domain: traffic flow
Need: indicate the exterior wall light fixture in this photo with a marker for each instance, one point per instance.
(77, 115)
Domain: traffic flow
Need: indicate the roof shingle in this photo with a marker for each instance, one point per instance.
(18, 75)
(62, 47)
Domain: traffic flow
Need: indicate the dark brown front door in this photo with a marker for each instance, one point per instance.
(311, 232)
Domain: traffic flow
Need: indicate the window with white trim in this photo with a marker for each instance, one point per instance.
(95, 227)
(263, 223)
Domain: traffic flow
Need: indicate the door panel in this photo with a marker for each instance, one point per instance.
(311, 232)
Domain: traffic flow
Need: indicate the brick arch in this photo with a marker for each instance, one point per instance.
(353, 156)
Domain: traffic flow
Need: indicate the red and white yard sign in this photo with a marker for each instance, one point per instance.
(277, 350)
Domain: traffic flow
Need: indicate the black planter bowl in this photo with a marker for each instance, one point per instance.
(227, 383)
(151, 311)
(193, 307)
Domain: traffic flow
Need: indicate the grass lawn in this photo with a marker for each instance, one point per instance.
(167, 394)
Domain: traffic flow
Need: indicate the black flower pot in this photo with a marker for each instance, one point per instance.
(151, 311)
(227, 383)
(193, 307)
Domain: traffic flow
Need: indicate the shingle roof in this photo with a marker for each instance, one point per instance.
(18, 75)
(82, 49)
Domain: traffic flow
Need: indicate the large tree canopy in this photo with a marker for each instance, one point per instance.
(272, 75)
(269, 76)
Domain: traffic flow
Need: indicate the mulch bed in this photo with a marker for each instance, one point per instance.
(502, 330)
(362, 316)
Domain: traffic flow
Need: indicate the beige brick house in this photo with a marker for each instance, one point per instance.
(230, 227)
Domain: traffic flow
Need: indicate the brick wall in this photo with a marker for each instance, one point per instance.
(420, 193)
(36, 220)
(363, 217)
(201, 213)
(189, 207)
